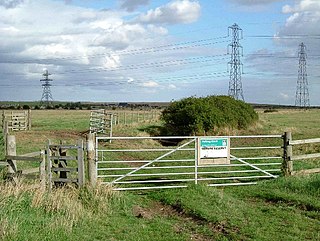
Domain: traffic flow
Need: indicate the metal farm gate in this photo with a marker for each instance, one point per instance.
(136, 163)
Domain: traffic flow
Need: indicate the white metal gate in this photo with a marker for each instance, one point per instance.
(135, 163)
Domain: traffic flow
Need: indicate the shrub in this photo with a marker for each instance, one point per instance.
(200, 115)
(270, 110)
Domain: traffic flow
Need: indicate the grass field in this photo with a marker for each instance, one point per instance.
(281, 209)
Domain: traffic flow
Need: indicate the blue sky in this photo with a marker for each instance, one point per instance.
(148, 50)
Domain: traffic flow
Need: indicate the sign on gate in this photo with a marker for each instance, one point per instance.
(213, 151)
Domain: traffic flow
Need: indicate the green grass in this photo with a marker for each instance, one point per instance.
(268, 211)
(301, 122)
(280, 209)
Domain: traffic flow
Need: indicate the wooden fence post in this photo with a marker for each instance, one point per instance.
(29, 119)
(80, 160)
(42, 170)
(3, 118)
(49, 165)
(11, 151)
(91, 156)
(287, 164)
(5, 134)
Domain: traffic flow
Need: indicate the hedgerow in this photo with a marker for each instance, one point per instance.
(206, 114)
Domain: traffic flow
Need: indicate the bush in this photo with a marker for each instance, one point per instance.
(200, 115)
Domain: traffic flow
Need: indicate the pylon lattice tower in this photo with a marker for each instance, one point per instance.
(235, 85)
(302, 93)
(46, 98)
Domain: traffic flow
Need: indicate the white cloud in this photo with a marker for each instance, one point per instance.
(112, 61)
(284, 96)
(120, 36)
(302, 6)
(172, 86)
(150, 84)
(178, 11)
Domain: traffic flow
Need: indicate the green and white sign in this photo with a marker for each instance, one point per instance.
(214, 150)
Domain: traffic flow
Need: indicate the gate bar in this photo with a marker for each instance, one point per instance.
(179, 137)
(253, 166)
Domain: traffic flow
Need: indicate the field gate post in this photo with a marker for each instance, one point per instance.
(91, 156)
(287, 164)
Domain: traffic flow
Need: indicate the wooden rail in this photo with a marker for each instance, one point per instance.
(288, 156)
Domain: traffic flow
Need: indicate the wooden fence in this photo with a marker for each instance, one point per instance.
(289, 158)
(16, 120)
(134, 117)
(12, 159)
(56, 166)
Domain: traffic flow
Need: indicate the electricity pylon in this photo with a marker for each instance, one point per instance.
(235, 85)
(46, 98)
(302, 93)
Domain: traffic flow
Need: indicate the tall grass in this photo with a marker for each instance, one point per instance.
(1, 146)
(52, 213)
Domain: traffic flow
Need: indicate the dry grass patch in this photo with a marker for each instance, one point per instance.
(7, 229)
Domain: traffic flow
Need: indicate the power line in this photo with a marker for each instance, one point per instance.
(157, 64)
(155, 49)
(287, 36)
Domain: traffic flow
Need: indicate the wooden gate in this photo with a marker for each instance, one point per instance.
(16, 120)
(101, 122)
(65, 164)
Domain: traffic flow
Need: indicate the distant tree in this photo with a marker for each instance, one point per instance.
(26, 107)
